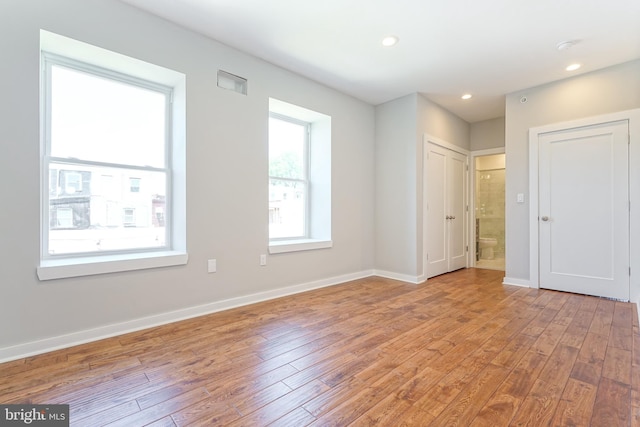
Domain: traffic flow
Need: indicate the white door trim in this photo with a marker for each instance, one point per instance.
(426, 139)
(488, 152)
(633, 116)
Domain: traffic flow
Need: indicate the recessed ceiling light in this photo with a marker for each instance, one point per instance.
(467, 96)
(573, 67)
(390, 41)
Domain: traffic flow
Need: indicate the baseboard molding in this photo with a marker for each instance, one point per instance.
(398, 276)
(81, 337)
(517, 282)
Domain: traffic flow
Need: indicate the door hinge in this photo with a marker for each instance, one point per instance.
(467, 248)
(629, 271)
(467, 208)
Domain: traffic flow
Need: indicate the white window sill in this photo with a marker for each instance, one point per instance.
(87, 266)
(282, 246)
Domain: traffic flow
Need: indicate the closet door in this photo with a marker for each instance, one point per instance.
(437, 211)
(457, 202)
(446, 204)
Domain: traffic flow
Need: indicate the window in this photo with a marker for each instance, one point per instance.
(105, 132)
(288, 177)
(134, 185)
(73, 182)
(64, 217)
(299, 178)
(129, 217)
(101, 123)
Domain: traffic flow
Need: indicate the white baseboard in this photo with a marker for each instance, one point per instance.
(517, 282)
(81, 337)
(398, 276)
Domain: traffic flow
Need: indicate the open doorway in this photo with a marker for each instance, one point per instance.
(489, 211)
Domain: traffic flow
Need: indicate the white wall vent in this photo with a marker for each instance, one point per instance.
(232, 82)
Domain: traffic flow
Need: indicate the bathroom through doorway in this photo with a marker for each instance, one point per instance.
(489, 211)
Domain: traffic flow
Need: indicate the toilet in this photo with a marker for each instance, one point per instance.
(486, 247)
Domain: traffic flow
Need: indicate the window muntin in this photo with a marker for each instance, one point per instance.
(105, 133)
(288, 178)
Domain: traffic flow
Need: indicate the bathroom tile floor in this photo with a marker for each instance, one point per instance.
(491, 264)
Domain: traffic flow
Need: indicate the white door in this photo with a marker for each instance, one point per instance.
(584, 210)
(457, 193)
(446, 179)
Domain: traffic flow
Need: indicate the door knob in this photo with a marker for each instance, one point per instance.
(448, 217)
(545, 218)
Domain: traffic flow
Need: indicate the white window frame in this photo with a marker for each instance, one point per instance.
(49, 61)
(133, 71)
(318, 173)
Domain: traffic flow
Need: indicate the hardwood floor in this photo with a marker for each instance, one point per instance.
(462, 349)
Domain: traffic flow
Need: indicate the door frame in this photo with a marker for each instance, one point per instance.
(472, 196)
(426, 139)
(633, 117)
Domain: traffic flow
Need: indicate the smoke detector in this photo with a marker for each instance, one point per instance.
(567, 44)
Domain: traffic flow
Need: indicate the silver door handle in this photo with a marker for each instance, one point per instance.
(545, 218)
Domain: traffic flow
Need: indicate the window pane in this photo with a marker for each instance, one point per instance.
(287, 203)
(97, 119)
(96, 210)
(286, 149)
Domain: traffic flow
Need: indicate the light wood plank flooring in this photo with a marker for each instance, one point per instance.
(461, 349)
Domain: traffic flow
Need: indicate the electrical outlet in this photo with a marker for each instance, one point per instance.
(263, 259)
(212, 265)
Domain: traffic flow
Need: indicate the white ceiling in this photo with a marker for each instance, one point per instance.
(447, 47)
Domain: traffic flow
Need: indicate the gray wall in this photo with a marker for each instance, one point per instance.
(487, 134)
(376, 172)
(441, 123)
(395, 175)
(606, 91)
(400, 126)
(226, 176)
